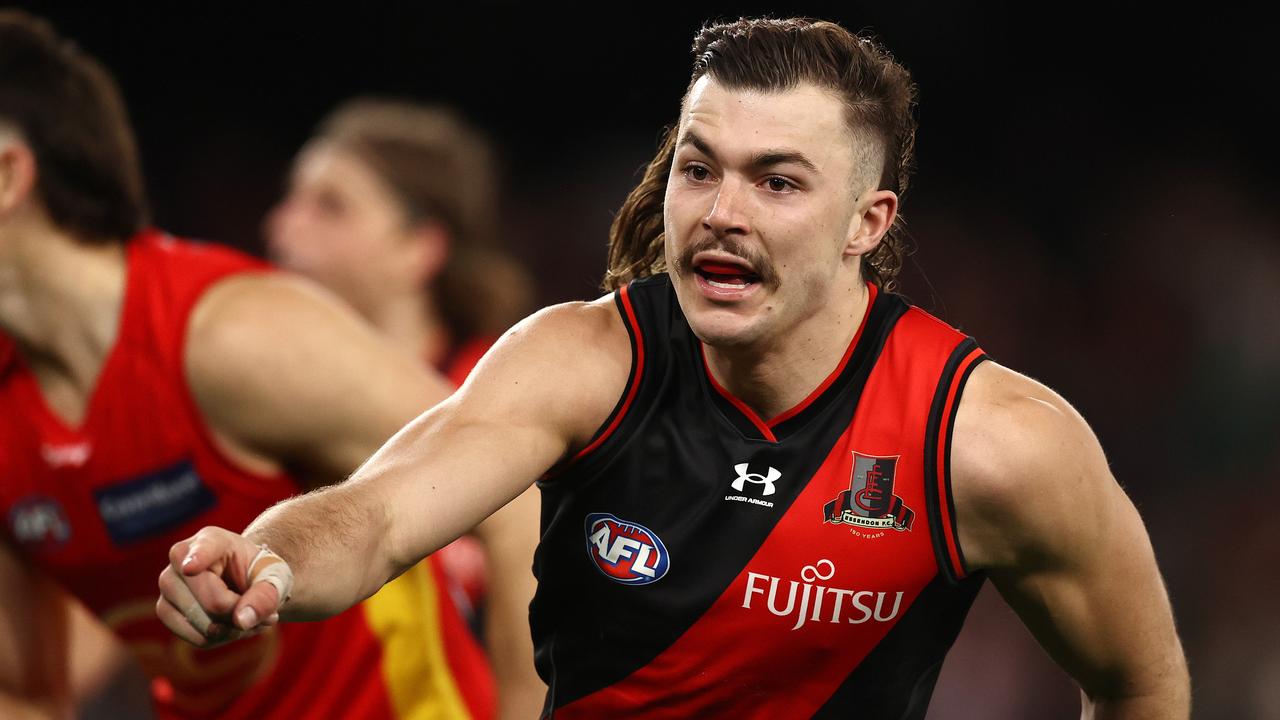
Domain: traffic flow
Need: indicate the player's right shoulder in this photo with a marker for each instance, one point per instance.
(593, 322)
(567, 362)
(1021, 457)
(590, 331)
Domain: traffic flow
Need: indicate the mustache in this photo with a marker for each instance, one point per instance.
(763, 268)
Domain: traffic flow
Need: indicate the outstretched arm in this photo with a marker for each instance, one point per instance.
(1038, 509)
(539, 394)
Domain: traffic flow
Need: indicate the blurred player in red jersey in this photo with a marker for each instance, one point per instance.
(151, 385)
(392, 206)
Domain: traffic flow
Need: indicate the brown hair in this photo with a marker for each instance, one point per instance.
(69, 111)
(774, 55)
(440, 168)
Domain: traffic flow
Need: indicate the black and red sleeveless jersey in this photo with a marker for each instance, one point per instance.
(698, 561)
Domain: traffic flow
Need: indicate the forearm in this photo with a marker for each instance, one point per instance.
(345, 541)
(520, 691)
(1168, 698)
(509, 538)
(332, 540)
(1164, 706)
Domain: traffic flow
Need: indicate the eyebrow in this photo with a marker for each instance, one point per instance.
(760, 160)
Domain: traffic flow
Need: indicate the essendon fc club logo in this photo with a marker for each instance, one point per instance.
(869, 502)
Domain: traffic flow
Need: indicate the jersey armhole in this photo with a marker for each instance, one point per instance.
(621, 299)
(939, 503)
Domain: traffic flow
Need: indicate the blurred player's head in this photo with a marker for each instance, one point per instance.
(873, 95)
(380, 194)
(67, 153)
(388, 200)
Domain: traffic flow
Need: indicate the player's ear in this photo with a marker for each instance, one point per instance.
(17, 172)
(875, 214)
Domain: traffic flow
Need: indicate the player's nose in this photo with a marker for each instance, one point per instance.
(728, 212)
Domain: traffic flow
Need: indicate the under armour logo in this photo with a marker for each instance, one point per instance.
(745, 477)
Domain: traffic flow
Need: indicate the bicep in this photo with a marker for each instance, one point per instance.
(541, 392)
(1098, 607)
(1039, 511)
(282, 368)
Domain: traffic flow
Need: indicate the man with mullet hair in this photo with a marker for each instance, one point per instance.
(771, 488)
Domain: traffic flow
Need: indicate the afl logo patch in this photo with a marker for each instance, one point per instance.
(626, 552)
(39, 523)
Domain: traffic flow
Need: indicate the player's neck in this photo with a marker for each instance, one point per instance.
(412, 324)
(776, 374)
(61, 299)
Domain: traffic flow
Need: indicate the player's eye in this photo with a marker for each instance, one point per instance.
(697, 173)
(779, 185)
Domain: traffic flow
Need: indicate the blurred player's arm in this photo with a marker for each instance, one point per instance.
(53, 652)
(310, 381)
(1038, 509)
(34, 679)
(281, 369)
(538, 395)
(509, 537)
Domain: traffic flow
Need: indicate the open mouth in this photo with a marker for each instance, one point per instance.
(726, 275)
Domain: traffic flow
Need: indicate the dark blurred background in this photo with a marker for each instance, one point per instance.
(1095, 202)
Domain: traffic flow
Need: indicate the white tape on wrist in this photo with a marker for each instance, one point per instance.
(270, 568)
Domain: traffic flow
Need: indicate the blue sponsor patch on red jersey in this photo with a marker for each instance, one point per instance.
(626, 552)
(154, 503)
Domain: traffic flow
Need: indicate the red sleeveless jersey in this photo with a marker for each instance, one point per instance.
(463, 358)
(97, 507)
(700, 561)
